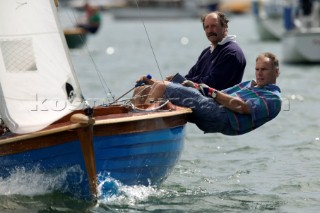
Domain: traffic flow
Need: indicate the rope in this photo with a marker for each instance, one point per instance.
(103, 82)
(147, 34)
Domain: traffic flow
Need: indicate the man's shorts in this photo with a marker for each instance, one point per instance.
(207, 114)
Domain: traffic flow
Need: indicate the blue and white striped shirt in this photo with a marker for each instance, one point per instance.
(264, 103)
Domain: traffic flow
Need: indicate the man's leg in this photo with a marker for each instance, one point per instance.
(148, 93)
(140, 95)
(156, 92)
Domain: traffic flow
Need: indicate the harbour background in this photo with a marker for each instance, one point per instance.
(272, 169)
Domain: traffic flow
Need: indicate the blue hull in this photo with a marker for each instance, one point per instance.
(144, 158)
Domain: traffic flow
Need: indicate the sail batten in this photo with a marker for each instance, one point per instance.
(37, 82)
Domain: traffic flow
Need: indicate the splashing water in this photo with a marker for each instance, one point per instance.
(35, 182)
(113, 192)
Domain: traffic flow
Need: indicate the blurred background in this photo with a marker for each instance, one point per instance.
(271, 169)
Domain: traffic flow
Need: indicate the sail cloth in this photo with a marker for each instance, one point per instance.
(37, 81)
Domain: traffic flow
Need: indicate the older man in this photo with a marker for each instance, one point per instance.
(222, 64)
(233, 111)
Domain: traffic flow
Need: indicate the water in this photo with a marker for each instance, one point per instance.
(272, 169)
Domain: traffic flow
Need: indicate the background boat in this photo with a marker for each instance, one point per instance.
(269, 18)
(79, 28)
(75, 37)
(301, 42)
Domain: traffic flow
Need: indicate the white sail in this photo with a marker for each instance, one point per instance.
(37, 81)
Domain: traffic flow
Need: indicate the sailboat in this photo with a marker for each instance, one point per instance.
(76, 37)
(268, 16)
(48, 126)
(301, 41)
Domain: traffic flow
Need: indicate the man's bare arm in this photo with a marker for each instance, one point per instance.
(233, 103)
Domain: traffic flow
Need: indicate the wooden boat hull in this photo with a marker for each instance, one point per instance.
(301, 47)
(135, 149)
(75, 37)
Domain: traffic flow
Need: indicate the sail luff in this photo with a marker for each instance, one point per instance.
(65, 45)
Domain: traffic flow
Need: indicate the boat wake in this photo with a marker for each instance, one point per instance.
(111, 192)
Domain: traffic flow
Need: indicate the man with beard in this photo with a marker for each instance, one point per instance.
(222, 64)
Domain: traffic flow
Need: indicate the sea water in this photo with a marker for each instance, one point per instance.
(272, 169)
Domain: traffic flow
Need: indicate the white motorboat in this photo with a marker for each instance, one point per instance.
(268, 18)
(301, 42)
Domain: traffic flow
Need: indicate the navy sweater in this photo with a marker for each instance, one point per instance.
(222, 68)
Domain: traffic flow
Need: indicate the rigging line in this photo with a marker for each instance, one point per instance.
(150, 44)
(20, 4)
(103, 82)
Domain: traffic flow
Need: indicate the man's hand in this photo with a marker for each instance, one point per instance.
(145, 80)
(204, 86)
(169, 78)
(188, 83)
(204, 89)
